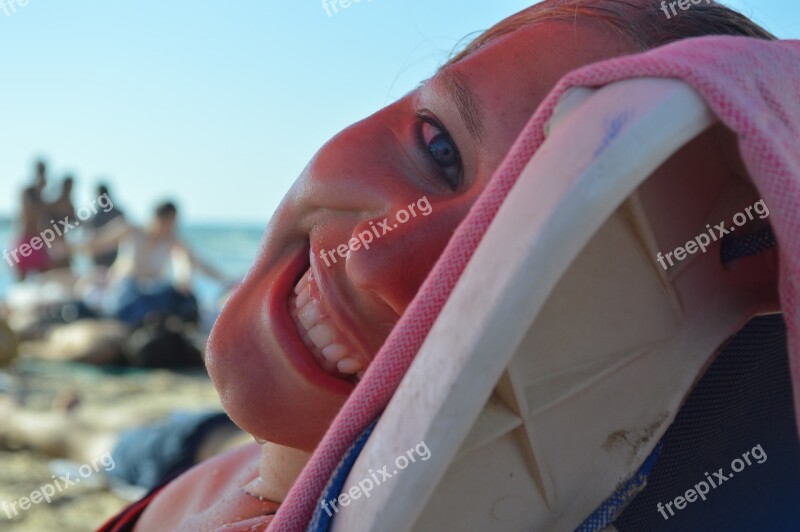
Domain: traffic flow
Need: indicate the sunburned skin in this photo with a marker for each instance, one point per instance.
(268, 367)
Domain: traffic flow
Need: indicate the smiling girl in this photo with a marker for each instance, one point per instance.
(289, 346)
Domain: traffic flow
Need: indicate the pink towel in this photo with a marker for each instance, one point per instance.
(753, 86)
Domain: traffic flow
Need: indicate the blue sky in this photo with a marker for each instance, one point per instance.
(219, 104)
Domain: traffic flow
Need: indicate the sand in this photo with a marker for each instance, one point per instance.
(83, 507)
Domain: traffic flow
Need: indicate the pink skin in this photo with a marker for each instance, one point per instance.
(367, 173)
(269, 383)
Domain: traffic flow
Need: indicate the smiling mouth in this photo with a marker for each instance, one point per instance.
(326, 344)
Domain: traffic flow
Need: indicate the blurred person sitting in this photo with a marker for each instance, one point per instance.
(142, 282)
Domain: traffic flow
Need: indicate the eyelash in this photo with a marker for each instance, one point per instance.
(453, 181)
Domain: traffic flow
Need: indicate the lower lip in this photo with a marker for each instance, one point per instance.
(287, 335)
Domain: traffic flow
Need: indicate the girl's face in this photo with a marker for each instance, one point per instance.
(362, 226)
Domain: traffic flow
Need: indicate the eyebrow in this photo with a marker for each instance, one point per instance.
(468, 103)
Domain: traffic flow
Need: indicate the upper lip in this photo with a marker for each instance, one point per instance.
(335, 303)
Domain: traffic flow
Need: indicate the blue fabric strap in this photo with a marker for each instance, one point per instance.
(613, 506)
(324, 513)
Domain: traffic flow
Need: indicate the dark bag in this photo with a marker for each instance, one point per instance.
(162, 343)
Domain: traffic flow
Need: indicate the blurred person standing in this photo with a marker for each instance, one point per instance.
(60, 209)
(32, 211)
(101, 219)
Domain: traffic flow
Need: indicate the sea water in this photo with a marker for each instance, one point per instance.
(230, 248)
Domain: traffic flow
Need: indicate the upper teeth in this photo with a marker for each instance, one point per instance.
(319, 333)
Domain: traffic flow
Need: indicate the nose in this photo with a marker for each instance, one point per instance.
(360, 171)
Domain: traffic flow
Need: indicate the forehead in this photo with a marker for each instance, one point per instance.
(547, 49)
(534, 57)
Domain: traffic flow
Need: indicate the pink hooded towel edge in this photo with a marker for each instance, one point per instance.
(753, 87)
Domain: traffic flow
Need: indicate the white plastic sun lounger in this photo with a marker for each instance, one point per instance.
(566, 350)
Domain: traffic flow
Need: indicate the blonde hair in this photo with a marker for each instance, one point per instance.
(642, 23)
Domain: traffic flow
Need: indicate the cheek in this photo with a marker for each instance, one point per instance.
(397, 262)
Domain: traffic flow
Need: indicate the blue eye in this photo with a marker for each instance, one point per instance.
(443, 151)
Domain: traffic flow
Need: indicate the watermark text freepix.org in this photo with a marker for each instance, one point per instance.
(60, 228)
(334, 5)
(702, 241)
(45, 493)
(376, 478)
(702, 488)
(9, 7)
(365, 238)
(683, 4)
